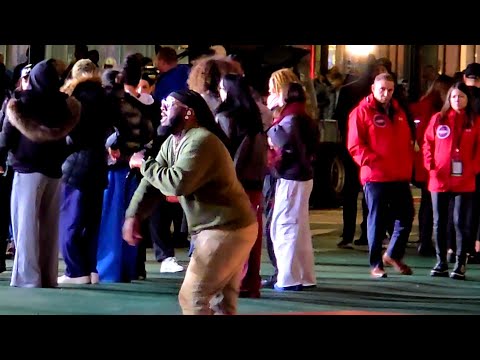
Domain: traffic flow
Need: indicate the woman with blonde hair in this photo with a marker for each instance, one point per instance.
(294, 137)
(277, 81)
(83, 70)
(84, 176)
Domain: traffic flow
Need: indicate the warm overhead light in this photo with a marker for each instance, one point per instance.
(360, 50)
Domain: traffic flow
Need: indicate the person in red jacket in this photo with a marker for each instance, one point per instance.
(451, 154)
(380, 141)
(422, 112)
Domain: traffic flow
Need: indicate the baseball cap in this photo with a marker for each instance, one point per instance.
(26, 71)
(472, 71)
(110, 61)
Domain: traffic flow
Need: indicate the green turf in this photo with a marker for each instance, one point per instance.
(343, 284)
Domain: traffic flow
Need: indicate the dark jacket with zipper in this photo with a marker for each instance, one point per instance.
(86, 166)
(248, 151)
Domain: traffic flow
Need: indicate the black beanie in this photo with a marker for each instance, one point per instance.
(132, 70)
(189, 97)
(204, 115)
(44, 78)
(196, 102)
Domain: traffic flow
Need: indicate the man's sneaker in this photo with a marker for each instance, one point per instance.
(360, 242)
(401, 267)
(64, 279)
(378, 272)
(345, 245)
(440, 270)
(170, 265)
(458, 272)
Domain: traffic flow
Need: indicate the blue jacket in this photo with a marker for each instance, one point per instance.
(173, 80)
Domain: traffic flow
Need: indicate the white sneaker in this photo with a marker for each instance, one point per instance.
(94, 278)
(170, 265)
(64, 279)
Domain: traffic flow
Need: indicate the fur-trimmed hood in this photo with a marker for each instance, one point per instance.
(72, 84)
(34, 128)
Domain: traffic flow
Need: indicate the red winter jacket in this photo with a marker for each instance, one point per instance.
(382, 147)
(439, 147)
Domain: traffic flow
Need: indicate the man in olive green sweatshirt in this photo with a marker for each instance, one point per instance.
(194, 165)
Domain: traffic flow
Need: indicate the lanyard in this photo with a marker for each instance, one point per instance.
(459, 139)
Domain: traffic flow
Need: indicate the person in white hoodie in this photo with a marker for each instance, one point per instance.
(116, 260)
(168, 211)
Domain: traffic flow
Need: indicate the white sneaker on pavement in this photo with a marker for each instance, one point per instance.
(64, 279)
(170, 265)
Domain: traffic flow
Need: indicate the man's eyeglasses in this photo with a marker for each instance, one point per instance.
(168, 103)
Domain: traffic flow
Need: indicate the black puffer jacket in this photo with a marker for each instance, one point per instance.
(86, 166)
(135, 130)
(37, 122)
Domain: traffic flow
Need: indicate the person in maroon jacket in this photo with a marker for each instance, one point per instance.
(380, 142)
(422, 111)
(451, 152)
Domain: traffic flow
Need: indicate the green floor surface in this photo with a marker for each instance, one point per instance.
(343, 284)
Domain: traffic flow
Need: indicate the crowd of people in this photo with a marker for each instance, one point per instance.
(103, 161)
(99, 164)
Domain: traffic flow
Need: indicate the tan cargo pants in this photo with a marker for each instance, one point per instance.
(212, 280)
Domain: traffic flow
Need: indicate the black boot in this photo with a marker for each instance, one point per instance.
(440, 269)
(458, 272)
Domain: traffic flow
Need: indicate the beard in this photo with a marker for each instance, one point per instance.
(174, 124)
(164, 130)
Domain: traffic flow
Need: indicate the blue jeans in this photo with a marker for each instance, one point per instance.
(388, 201)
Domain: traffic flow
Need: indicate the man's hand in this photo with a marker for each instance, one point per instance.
(137, 159)
(114, 155)
(131, 231)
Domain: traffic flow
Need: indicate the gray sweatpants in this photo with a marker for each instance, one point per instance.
(35, 208)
